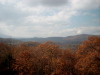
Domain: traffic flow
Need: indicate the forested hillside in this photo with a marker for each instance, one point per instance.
(9, 41)
(32, 58)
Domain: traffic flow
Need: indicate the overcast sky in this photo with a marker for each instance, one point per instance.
(47, 18)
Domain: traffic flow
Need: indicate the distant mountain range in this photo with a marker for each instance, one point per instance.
(76, 39)
(4, 36)
(10, 40)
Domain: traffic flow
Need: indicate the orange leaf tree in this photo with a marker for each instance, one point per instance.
(88, 55)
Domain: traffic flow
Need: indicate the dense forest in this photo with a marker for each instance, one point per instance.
(50, 59)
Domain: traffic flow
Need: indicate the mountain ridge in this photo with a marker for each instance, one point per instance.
(75, 39)
(70, 39)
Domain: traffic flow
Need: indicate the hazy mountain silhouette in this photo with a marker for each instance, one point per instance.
(4, 36)
(76, 39)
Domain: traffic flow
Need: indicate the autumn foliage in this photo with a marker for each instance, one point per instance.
(88, 55)
(49, 59)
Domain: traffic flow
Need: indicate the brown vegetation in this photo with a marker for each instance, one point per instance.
(50, 59)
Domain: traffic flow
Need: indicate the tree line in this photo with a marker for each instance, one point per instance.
(49, 59)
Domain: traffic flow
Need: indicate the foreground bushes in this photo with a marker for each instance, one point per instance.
(50, 59)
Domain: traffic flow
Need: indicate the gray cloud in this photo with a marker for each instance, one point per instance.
(54, 2)
(51, 3)
(76, 4)
(11, 15)
(85, 4)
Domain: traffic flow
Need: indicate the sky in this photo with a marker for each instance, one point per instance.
(49, 18)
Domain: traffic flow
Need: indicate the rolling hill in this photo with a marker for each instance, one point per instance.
(77, 39)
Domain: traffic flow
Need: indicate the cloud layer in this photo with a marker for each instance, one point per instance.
(45, 18)
(50, 3)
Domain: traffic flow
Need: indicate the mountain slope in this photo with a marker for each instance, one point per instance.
(77, 39)
(9, 40)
